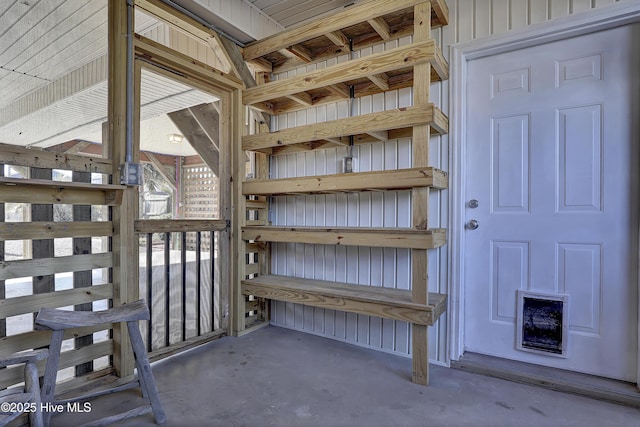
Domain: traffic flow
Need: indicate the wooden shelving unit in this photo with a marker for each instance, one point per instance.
(415, 65)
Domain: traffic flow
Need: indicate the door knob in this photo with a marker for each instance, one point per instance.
(473, 224)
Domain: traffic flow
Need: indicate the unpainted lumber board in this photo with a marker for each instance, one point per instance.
(33, 303)
(371, 237)
(124, 254)
(370, 300)
(179, 225)
(53, 265)
(338, 38)
(359, 181)
(381, 80)
(420, 198)
(350, 16)
(82, 279)
(42, 249)
(196, 70)
(44, 191)
(372, 122)
(358, 44)
(390, 60)
(51, 230)
(34, 157)
(380, 26)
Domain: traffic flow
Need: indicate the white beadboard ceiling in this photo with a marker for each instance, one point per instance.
(53, 66)
(292, 12)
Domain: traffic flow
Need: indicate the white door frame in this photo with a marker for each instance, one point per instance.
(621, 13)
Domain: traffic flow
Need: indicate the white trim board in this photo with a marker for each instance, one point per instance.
(622, 13)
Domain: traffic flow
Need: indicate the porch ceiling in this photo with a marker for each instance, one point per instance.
(53, 68)
(292, 12)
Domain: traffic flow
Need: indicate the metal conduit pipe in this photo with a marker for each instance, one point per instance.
(129, 83)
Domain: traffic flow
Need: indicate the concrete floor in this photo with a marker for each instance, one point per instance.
(279, 377)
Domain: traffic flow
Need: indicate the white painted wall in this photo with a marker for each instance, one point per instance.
(469, 19)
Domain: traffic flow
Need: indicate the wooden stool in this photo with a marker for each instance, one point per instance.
(59, 320)
(27, 398)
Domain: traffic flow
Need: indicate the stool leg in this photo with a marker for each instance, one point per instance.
(144, 372)
(32, 386)
(51, 371)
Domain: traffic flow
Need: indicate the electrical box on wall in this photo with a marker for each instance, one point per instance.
(131, 174)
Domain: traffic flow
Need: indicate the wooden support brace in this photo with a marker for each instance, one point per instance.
(381, 27)
(380, 80)
(339, 39)
(302, 98)
(340, 89)
(157, 164)
(381, 135)
(301, 53)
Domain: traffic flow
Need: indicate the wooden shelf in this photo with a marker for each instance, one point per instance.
(319, 87)
(365, 24)
(392, 124)
(344, 236)
(370, 300)
(42, 191)
(400, 179)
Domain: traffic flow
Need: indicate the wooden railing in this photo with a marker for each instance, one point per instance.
(55, 255)
(181, 283)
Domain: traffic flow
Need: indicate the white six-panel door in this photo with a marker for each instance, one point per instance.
(552, 159)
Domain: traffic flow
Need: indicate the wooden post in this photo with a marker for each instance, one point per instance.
(82, 279)
(420, 198)
(231, 208)
(124, 242)
(262, 172)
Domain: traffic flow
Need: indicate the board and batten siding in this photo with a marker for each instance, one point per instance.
(469, 19)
